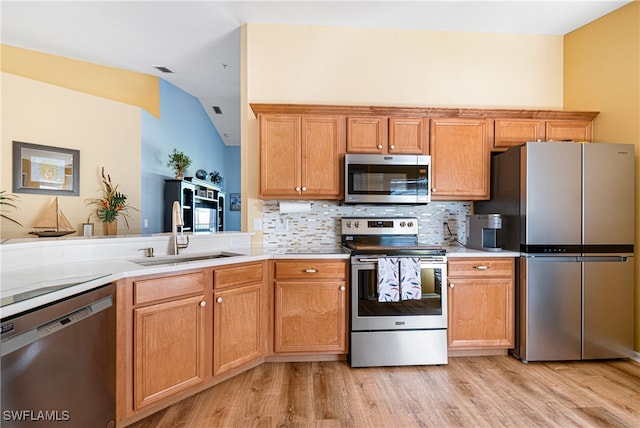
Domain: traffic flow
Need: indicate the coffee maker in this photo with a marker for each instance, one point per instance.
(482, 230)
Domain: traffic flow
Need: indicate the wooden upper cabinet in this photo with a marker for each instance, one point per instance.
(460, 163)
(409, 135)
(322, 153)
(279, 154)
(301, 156)
(511, 133)
(387, 135)
(574, 130)
(367, 134)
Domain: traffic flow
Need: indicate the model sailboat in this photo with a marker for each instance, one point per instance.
(52, 222)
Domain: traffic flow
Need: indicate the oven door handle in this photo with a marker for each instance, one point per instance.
(373, 260)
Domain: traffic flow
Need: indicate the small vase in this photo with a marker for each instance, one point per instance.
(111, 228)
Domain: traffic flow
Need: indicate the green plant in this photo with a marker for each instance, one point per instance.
(112, 203)
(7, 200)
(179, 162)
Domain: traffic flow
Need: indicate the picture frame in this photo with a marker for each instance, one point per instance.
(45, 169)
(87, 229)
(210, 194)
(235, 202)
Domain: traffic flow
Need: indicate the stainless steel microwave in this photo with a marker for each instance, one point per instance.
(387, 179)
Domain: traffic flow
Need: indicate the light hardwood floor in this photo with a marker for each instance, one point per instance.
(492, 392)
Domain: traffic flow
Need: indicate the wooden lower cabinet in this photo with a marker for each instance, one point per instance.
(481, 303)
(167, 327)
(237, 316)
(310, 307)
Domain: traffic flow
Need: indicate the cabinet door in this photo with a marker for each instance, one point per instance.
(511, 133)
(168, 349)
(237, 327)
(322, 151)
(279, 154)
(480, 313)
(460, 159)
(367, 134)
(310, 316)
(574, 130)
(409, 135)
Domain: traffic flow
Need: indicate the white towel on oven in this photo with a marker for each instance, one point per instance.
(410, 282)
(388, 284)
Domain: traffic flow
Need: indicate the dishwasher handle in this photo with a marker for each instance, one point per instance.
(28, 337)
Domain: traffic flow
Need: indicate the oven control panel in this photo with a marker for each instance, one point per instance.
(379, 226)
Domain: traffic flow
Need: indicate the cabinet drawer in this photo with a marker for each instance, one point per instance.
(480, 267)
(237, 275)
(149, 290)
(311, 269)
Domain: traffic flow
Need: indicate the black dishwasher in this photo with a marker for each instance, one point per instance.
(58, 363)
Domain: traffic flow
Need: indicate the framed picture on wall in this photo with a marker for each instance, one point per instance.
(45, 169)
(235, 201)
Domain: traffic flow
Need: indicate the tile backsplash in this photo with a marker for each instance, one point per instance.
(321, 224)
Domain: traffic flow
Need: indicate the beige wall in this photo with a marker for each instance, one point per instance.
(602, 73)
(107, 133)
(329, 65)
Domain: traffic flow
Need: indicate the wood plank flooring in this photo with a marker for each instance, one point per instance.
(491, 392)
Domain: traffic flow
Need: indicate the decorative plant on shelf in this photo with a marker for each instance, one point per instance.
(112, 204)
(7, 200)
(179, 162)
(215, 177)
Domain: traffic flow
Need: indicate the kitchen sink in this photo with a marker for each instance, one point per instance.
(178, 260)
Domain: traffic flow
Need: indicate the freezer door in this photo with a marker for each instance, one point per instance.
(608, 307)
(552, 189)
(608, 194)
(552, 309)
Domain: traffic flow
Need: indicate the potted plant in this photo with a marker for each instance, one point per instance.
(111, 205)
(7, 200)
(179, 162)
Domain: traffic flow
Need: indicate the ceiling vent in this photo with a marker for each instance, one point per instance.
(217, 109)
(163, 69)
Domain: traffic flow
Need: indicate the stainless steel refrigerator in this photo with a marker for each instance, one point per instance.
(569, 209)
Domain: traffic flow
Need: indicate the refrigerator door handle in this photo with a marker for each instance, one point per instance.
(621, 259)
(554, 259)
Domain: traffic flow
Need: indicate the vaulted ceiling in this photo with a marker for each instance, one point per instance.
(199, 41)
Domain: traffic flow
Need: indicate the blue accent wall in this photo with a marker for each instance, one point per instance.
(185, 125)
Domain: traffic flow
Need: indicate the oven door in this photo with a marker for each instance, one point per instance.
(367, 314)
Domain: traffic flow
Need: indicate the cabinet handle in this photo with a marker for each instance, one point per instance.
(297, 189)
(392, 147)
(342, 288)
(433, 190)
(311, 270)
(481, 267)
(451, 285)
(203, 304)
(304, 189)
(219, 300)
(380, 146)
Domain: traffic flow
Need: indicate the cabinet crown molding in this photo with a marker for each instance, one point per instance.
(431, 112)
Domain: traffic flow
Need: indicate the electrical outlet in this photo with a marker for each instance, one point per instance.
(282, 224)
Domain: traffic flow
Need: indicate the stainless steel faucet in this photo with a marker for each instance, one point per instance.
(177, 242)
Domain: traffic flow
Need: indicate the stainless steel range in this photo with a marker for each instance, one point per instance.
(398, 294)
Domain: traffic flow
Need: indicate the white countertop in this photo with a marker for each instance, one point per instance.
(31, 266)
